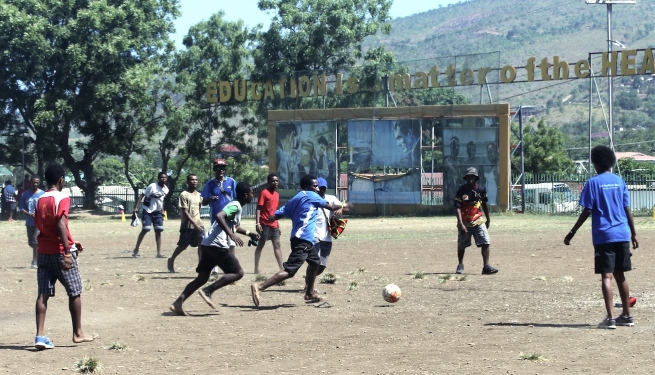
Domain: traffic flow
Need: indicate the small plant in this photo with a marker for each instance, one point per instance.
(539, 278)
(567, 279)
(139, 278)
(376, 277)
(529, 356)
(88, 285)
(259, 278)
(118, 275)
(328, 278)
(88, 365)
(444, 278)
(419, 275)
(461, 278)
(361, 270)
(117, 345)
(352, 285)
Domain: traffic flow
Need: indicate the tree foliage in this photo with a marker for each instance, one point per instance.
(543, 150)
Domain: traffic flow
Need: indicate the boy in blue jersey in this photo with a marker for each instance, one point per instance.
(215, 250)
(605, 197)
(302, 209)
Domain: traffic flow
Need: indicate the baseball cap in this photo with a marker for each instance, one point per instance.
(472, 172)
(321, 182)
(218, 162)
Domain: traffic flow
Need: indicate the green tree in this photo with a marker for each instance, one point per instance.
(628, 100)
(543, 150)
(66, 69)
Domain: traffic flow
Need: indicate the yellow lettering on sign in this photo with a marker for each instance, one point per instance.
(466, 77)
(240, 90)
(450, 75)
(224, 91)
(352, 85)
(268, 90)
(294, 88)
(609, 65)
(628, 62)
(283, 87)
(212, 93)
(434, 75)
(320, 88)
(255, 92)
(338, 87)
(529, 66)
(560, 69)
(482, 75)
(582, 69)
(420, 80)
(399, 82)
(648, 63)
(304, 86)
(503, 73)
(544, 66)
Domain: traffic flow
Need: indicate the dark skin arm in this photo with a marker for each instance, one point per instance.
(187, 216)
(138, 200)
(258, 226)
(460, 223)
(584, 215)
(221, 219)
(329, 206)
(61, 228)
(633, 231)
(485, 208)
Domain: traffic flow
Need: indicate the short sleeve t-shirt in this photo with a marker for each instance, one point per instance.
(192, 202)
(155, 194)
(215, 236)
(606, 195)
(28, 203)
(322, 217)
(302, 210)
(267, 204)
(469, 200)
(213, 189)
(52, 206)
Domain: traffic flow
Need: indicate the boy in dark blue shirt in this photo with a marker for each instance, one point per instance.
(605, 197)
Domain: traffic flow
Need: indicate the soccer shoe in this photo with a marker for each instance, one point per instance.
(607, 323)
(489, 270)
(460, 269)
(43, 342)
(625, 321)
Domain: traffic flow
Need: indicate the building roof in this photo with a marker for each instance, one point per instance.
(635, 155)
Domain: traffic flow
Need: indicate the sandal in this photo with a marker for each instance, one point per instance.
(312, 299)
(324, 305)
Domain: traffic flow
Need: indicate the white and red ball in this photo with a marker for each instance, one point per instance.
(391, 293)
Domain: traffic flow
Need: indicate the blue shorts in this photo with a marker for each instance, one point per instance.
(152, 219)
(323, 248)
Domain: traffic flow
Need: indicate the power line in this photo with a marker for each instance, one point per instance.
(622, 144)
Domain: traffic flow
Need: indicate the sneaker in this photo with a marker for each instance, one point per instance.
(43, 342)
(488, 270)
(460, 269)
(607, 323)
(625, 321)
(34, 266)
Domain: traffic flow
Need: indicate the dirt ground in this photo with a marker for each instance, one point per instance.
(544, 301)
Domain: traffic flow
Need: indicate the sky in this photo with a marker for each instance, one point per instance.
(198, 10)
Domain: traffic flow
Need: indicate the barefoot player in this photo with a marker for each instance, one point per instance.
(302, 209)
(215, 250)
(57, 257)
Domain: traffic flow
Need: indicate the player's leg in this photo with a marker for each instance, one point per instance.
(260, 247)
(146, 226)
(41, 308)
(623, 264)
(291, 266)
(463, 241)
(158, 226)
(182, 243)
(313, 262)
(232, 272)
(46, 280)
(604, 262)
(205, 265)
(277, 248)
(608, 296)
(72, 281)
(483, 240)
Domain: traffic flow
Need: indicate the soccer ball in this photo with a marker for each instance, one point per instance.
(391, 293)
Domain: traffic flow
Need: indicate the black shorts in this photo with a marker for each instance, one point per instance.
(212, 256)
(269, 233)
(189, 237)
(301, 251)
(612, 257)
(32, 235)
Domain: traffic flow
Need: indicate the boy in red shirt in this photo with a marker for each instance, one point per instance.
(268, 230)
(57, 257)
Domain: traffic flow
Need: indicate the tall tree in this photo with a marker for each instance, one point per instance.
(544, 150)
(65, 68)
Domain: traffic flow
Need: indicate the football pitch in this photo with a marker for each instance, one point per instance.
(538, 314)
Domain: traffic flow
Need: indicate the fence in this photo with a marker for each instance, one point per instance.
(553, 194)
(108, 198)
